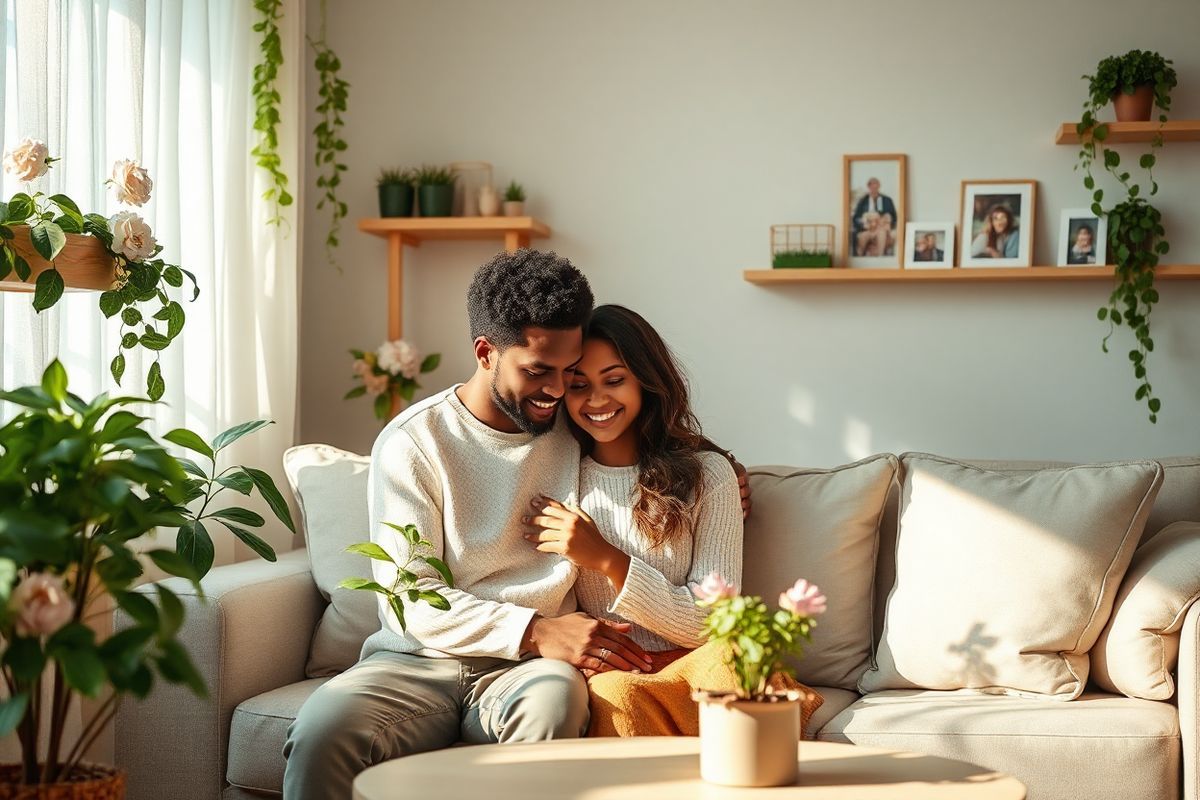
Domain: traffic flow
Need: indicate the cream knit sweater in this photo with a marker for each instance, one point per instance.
(657, 597)
(466, 486)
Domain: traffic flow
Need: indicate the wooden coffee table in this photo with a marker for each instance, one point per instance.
(669, 767)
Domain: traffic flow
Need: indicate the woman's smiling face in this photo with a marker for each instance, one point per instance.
(603, 397)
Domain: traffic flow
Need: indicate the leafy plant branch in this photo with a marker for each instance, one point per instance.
(266, 105)
(404, 586)
(334, 94)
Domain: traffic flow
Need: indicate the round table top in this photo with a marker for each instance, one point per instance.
(669, 767)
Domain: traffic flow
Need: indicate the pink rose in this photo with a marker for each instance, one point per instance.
(131, 183)
(42, 605)
(376, 384)
(132, 237)
(361, 368)
(714, 588)
(27, 160)
(804, 599)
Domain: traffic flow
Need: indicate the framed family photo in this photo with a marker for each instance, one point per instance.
(998, 223)
(874, 191)
(1082, 238)
(928, 245)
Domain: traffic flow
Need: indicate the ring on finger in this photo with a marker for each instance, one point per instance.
(604, 651)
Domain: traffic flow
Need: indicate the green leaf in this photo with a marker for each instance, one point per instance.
(12, 711)
(24, 657)
(54, 381)
(1089, 182)
(177, 667)
(68, 207)
(441, 568)
(48, 290)
(238, 481)
(173, 564)
(153, 340)
(1102, 314)
(357, 391)
(431, 362)
(129, 341)
(84, 671)
(48, 239)
(173, 276)
(21, 267)
(266, 488)
(20, 207)
(253, 541)
(370, 550)
(194, 544)
(242, 516)
(362, 584)
(228, 437)
(131, 316)
(155, 385)
(190, 440)
(170, 611)
(436, 600)
(397, 606)
(118, 368)
(383, 406)
(138, 607)
(1147, 161)
(1154, 404)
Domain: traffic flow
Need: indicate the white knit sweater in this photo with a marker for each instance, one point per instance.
(466, 486)
(657, 597)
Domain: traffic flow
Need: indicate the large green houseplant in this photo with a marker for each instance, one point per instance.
(1136, 236)
(83, 486)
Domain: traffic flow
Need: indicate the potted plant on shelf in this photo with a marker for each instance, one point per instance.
(749, 737)
(395, 193)
(514, 200)
(436, 189)
(793, 259)
(1134, 83)
(1136, 236)
(390, 371)
(81, 486)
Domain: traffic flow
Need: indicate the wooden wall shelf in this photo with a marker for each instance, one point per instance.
(770, 277)
(1180, 130)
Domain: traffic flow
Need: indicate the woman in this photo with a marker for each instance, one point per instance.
(660, 509)
(1083, 251)
(999, 237)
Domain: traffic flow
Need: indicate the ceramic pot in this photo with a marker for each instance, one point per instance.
(749, 742)
(396, 200)
(84, 262)
(514, 208)
(489, 201)
(437, 200)
(1134, 107)
(89, 782)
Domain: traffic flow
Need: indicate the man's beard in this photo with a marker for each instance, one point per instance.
(514, 412)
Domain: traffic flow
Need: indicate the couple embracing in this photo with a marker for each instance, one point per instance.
(569, 488)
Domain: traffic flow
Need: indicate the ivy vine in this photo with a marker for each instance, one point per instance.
(334, 93)
(266, 105)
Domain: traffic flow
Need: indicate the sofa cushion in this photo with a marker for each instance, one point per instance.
(823, 525)
(257, 733)
(331, 488)
(1101, 746)
(1139, 647)
(834, 702)
(1179, 498)
(1004, 581)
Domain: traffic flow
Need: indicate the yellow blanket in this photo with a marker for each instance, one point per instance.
(661, 704)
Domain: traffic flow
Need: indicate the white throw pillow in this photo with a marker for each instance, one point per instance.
(331, 488)
(1004, 582)
(823, 525)
(1139, 648)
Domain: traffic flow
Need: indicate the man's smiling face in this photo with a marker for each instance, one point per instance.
(529, 379)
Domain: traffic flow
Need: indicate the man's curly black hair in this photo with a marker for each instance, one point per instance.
(524, 289)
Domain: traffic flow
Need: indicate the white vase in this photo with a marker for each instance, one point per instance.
(489, 201)
(514, 208)
(748, 742)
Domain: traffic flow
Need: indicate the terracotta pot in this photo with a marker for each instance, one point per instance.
(1134, 107)
(514, 208)
(749, 742)
(89, 782)
(83, 262)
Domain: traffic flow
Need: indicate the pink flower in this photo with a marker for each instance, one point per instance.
(804, 599)
(361, 368)
(376, 384)
(132, 237)
(42, 605)
(399, 358)
(27, 160)
(713, 589)
(131, 183)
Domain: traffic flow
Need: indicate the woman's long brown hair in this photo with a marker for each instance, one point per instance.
(671, 476)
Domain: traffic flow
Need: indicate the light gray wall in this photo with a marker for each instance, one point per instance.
(660, 140)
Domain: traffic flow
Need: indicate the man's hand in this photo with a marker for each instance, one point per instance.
(585, 643)
(743, 484)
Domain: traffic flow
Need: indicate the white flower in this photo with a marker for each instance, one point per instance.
(132, 237)
(131, 183)
(41, 604)
(27, 160)
(399, 358)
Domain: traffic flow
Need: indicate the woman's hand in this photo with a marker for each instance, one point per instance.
(572, 534)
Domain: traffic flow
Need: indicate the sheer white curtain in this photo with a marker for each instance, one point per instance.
(166, 82)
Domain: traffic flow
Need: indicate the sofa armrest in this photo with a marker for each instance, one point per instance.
(1187, 690)
(250, 633)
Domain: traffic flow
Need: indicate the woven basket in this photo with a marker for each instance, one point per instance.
(88, 782)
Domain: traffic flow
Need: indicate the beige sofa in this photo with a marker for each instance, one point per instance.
(266, 628)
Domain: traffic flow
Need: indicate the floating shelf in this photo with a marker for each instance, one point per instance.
(956, 274)
(1180, 130)
(513, 231)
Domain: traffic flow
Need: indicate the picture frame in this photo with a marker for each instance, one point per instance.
(1011, 205)
(929, 245)
(1073, 252)
(874, 195)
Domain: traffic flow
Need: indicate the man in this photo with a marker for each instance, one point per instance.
(927, 249)
(462, 466)
(873, 202)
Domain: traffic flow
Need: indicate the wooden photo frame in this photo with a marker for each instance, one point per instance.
(998, 221)
(928, 245)
(874, 196)
(1076, 252)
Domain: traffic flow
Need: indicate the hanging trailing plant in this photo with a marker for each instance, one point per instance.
(334, 93)
(266, 105)
(1136, 235)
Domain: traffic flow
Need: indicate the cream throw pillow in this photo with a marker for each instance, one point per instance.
(331, 488)
(823, 525)
(1003, 582)
(1139, 648)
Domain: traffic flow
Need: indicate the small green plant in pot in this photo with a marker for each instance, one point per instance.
(436, 189)
(1136, 236)
(791, 259)
(514, 200)
(395, 193)
(1134, 83)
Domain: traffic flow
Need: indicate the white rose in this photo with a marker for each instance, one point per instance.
(399, 358)
(42, 605)
(132, 237)
(27, 160)
(131, 183)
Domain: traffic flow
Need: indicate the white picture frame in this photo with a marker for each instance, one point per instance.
(929, 245)
(1072, 223)
(1010, 205)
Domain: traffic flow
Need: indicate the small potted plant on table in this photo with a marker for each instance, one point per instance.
(514, 200)
(395, 193)
(436, 191)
